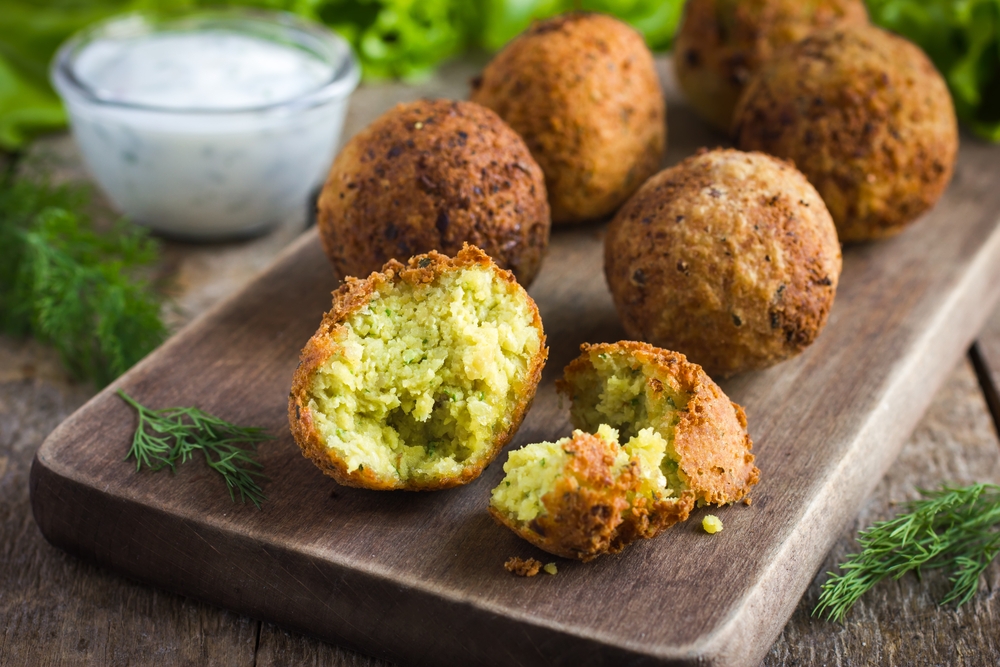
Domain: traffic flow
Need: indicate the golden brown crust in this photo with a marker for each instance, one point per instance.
(866, 117)
(354, 295)
(585, 506)
(721, 43)
(711, 438)
(582, 90)
(646, 519)
(523, 567)
(432, 175)
(728, 257)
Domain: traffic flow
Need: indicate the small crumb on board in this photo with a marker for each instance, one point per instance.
(523, 567)
(550, 568)
(711, 524)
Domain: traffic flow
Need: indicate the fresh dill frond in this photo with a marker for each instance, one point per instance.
(168, 437)
(954, 528)
(72, 287)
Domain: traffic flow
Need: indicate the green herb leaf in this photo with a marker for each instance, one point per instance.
(954, 528)
(72, 287)
(168, 437)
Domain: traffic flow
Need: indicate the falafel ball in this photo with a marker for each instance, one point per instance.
(728, 257)
(432, 175)
(865, 116)
(721, 43)
(582, 90)
(698, 446)
(419, 374)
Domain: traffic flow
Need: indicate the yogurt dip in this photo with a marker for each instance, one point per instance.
(210, 125)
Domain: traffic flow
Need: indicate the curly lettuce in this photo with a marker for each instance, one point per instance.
(962, 37)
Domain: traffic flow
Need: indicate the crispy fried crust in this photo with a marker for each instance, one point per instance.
(584, 509)
(354, 295)
(711, 439)
(583, 91)
(522, 567)
(721, 43)
(647, 519)
(432, 175)
(728, 257)
(866, 117)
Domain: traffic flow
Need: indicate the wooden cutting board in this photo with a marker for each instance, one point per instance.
(419, 578)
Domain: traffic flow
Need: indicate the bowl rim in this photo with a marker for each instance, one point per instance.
(346, 72)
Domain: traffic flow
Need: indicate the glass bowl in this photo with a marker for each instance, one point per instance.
(207, 125)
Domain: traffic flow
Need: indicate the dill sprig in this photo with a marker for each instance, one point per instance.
(954, 528)
(168, 437)
(71, 286)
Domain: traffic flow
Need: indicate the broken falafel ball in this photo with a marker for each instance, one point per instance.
(575, 497)
(419, 374)
(633, 386)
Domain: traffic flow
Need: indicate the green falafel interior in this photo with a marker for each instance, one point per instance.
(533, 470)
(614, 390)
(424, 376)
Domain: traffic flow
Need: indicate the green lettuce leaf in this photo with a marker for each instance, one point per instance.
(962, 37)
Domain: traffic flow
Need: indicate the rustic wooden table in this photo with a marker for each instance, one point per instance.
(55, 609)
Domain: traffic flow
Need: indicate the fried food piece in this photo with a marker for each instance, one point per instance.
(730, 258)
(721, 43)
(582, 496)
(682, 440)
(866, 117)
(634, 386)
(418, 375)
(583, 91)
(523, 567)
(432, 175)
(565, 497)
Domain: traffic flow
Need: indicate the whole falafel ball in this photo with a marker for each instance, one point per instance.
(419, 374)
(728, 257)
(720, 43)
(582, 90)
(432, 175)
(865, 116)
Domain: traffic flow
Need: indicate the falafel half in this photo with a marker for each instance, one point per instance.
(866, 117)
(705, 452)
(721, 43)
(582, 90)
(728, 257)
(419, 374)
(432, 175)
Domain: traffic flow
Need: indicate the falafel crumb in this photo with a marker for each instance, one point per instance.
(525, 567)
(551, 568)
(747, 501)
(712, 524)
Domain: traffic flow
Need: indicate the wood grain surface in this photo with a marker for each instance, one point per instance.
(58, 609)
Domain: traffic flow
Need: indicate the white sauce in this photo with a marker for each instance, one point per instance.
(230, 167)
(204, 70)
